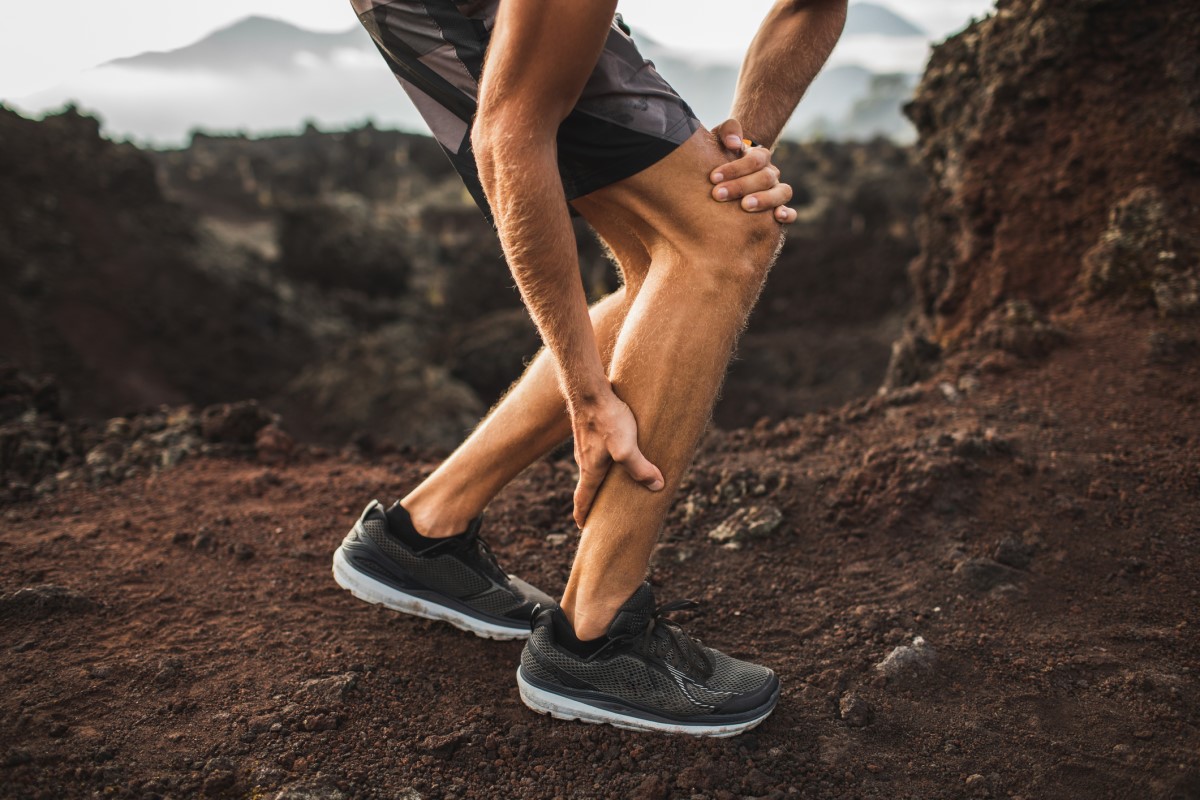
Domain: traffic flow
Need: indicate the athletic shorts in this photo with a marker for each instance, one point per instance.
(626, 119)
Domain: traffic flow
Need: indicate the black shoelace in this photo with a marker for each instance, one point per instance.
(669, 633)
(469, 542)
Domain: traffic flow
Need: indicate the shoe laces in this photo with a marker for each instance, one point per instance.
(662, 631)
(470, 541)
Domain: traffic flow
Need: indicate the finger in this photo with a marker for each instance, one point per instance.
(755, 182)
(585, 494)
(754, 160)
(642, 471)
(729, 133)
(785, 215)
(778, 195)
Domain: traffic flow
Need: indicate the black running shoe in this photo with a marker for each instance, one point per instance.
(646, 674)
(455, 579)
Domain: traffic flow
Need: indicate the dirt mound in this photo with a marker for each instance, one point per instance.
(985, 591)
(132, 301)
(102, 284)
(41, 452)
(1039, 127)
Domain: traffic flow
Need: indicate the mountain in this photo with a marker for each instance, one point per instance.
(254, 42)
(869, 19)
(263, 75)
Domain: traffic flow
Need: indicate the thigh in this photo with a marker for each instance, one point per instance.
(670, 203)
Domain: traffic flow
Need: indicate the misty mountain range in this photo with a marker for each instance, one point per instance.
(264, 75)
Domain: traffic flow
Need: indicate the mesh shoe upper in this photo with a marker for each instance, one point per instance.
(650, 663)
(460, 567)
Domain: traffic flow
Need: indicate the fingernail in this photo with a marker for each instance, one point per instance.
(751, 202)
(717, 177)
(656, 486)
(722, 194)
(733, 143)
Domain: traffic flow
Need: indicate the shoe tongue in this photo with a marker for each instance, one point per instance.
(634, 615)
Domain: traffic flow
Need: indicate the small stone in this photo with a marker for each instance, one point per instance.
(263, 723)
(556, 539)
(272, 444)
(908, 660)
(1143, 734)
(218, 782)
(978, 785)
(997, 363)
(328, 690)
(983, 574)
(204, 542)
(855, 711)
(323, 791)
(320, 722)
(45, 600)
(235, 423)
(1013, 553)
(652, 787)
(749, 522)
(443, 745)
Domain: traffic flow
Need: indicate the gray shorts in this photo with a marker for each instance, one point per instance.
(627, 118)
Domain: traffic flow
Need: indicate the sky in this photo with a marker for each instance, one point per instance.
(41, 46)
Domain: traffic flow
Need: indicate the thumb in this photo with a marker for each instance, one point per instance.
(642, 471)
(730, 134)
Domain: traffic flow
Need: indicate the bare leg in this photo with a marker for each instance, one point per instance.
(708, 264)
(526, 424)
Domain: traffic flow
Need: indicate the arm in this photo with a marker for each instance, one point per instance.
(788, 51)
(522, 102)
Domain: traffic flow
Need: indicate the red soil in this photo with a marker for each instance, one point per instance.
(201, 646)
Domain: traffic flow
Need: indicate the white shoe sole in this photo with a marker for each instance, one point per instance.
(364, 587)
(568, 708)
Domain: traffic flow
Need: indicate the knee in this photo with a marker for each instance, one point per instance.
(740, 253)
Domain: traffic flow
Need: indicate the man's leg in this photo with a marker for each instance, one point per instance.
(708, 262)
(529, 421)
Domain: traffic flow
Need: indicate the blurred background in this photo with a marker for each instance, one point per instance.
(239, 201)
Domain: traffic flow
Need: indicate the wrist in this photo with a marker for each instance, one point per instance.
(587, 399)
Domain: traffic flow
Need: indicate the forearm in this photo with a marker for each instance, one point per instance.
(520, 177)
(789, 50)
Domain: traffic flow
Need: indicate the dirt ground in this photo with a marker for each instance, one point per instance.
(1036, 524)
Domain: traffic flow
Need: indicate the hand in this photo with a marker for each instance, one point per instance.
(752, 177)
(604, 433)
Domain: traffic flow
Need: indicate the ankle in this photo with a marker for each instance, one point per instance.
(436, 520)
(590, 620)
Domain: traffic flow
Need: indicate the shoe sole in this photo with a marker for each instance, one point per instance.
(568, 708)
(364, 587)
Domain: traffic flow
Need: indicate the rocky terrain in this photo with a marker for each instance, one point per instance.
(1039, 151)
(347, 281)
(979, 583)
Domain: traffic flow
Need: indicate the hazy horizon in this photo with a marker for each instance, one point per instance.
(35, 56)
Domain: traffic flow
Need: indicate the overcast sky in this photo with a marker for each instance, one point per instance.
(42, 45)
